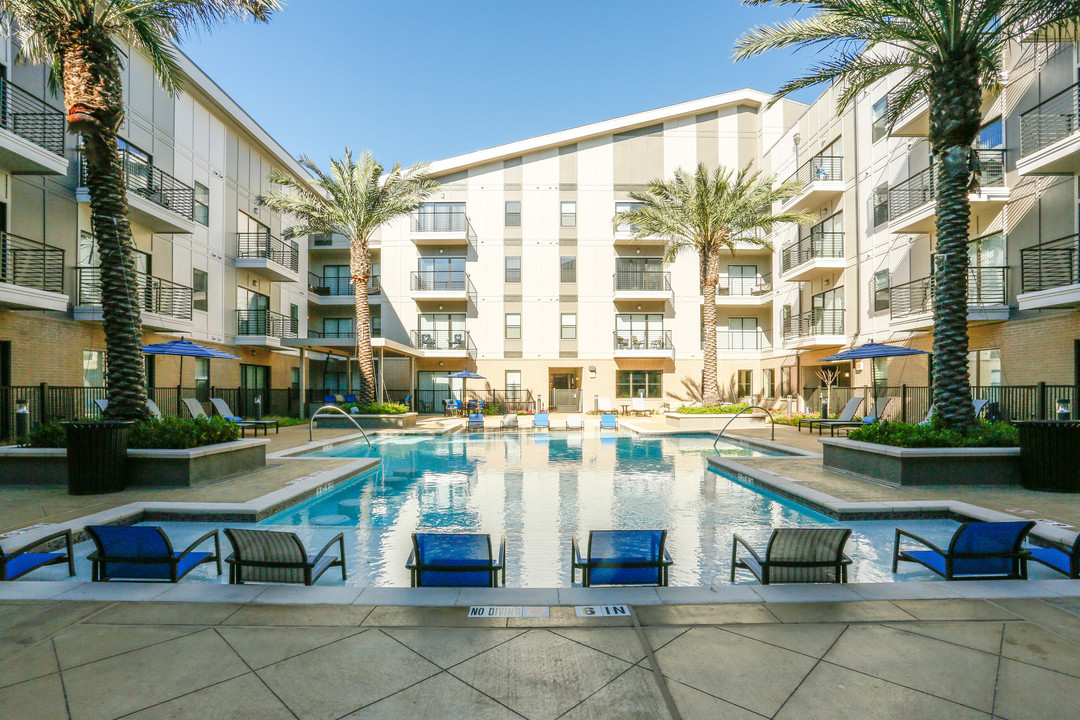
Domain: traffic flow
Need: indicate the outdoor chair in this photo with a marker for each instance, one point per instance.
(272, 556)
(1066, 562)
(574, 422)
(621, 557)
(144, 552)
(637, 406)
(977, 405)
(796, 555)
(977, 551)
(608, 421)
(541, 420)
(19, 561)
(510, 421)
(846, 415)
(351, 399)
(152, 406)
(456, 560)
(328, 400)
(194, 407)
(604, 405)
(101, 404)
(879, 410)
(476, 420)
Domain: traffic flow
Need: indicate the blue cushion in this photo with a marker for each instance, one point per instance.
(607, 420)
(430, 578)
(454, 550)
(540, 420)
(27, 562)
(233, 418)
(1053, 557)
(624, 576)
(987, 537)
(961, 568)
(625, 546)
(138, 541)
(191, 561)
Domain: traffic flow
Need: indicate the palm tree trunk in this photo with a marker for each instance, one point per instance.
(360, 259)
(955, 116)
(710, 276)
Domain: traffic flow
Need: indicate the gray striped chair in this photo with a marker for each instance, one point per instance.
(271, 556)
(797, 555)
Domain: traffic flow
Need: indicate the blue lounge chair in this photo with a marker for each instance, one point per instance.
(351, 399)
(16, 563)
(621, 557)
(456, 560)
(329, 400)
(476, 420)
(796, 555)
(977, 551)
(273, 556)
(137, 552)
(541, 420)
(1066, 562)
(609, 422)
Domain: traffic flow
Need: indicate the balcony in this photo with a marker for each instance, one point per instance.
(165, 305)
(741, 343)
(1050, 135)
(263, 327)
(156, 200)
(624, 236)
(812, 257)
(822, 178)
(915, 122)
(441, 224)
(643, 344)
(443, 343)
(31, 275)
(441, 286)
(642, 285)
(32, 136)
(911, 202)
(744, 291)
(1050, 274)
(265, 254)
(911, 304)
(817, 328)
(337, 290)
(332, 339)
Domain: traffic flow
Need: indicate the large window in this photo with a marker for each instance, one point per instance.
(568, 269)
(638, 383)
(639, 331)
(513, 326)
(442, 331)
(569, 326)
(984, 367)
(568, 214)
(93, 368)
(513, 213)
(513, 384)
(200, 283)
(768, 383)
(742, 334)
(879, 127)
(376, 320)
(881, 204)
(202, 372)
(621, 207)
(202, 203)
(744, 385)
(339, 327)
(513, 268)
(441, 273)
(881, 290)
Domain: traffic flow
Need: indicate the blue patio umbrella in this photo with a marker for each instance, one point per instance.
(465, 375)
(184, 348)
(870, 351)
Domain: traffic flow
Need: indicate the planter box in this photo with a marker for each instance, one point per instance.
(405, 420)
(146, 468)
(713, 422)
(923, 466)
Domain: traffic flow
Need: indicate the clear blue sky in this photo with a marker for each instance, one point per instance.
(416, 81)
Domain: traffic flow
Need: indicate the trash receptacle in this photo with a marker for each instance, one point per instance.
(1050, 455)
(97, 456)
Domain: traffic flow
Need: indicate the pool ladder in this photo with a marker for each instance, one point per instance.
(335, 408)
(772, 425)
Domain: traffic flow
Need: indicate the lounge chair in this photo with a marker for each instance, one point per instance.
(1066, 562)
(541, 420)
(879, 410)
(152, 406)
(194, 407)
(476, 420)
(609, 422)
(977, 405)
(351, 399)
(846, 415)
(329, 400)
(19, 561)
(603, 405)
(574, 422)
(796, 555)
(226, 412)
(509, 420)
(456, 560)
(621, 557)
(101, 404)
(272, 556)
(452, 406)
(637, 406)
(142, 552)
(977, 551)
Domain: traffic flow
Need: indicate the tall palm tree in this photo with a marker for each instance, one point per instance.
(948, 51)
(359, 199)
(708, 213)
(80, 42)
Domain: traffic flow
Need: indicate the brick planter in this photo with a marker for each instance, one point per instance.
(713, 422)
(923, 466)
(404, 420)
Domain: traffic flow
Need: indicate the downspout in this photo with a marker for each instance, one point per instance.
(858, 226)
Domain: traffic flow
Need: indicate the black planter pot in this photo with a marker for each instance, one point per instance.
(97, 456)
(1050, 455)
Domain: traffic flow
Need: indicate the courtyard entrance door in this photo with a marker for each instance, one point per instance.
(565, 387)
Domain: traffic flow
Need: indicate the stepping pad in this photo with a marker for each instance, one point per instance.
(330, 520)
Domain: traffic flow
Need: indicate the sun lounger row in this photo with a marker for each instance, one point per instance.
(608, 421)
(846, 419)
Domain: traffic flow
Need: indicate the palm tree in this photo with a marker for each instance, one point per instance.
(948, 51)
(79, 41)
(359, 199)
(708, 213)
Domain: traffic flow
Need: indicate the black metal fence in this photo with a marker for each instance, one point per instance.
(31, 118)
(152, 183)
(152, 294)
(820, 168)
(1051, 264)
(986, 286)
(635, 280)
(918, 189)
(268, 247)
(31, 264)
(265, 322)
(819, 321)
(814, 245)
(1049, 121)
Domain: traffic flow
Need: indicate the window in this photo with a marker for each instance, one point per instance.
(513, 326)
(513, 384)
(513, 268)
(339, 327)
(768, 383)
(294, 318)
(881, 204)
(202, 203)
(640, 331)
(984, 367)
(513, 213)
(568, 214)
(442, 331)
(638, 383)
(879, 126)
(569, 326)
(881, 372)
(744, 383)
(441, 217)
(200, 283)
(742, 334)
(881, 290)
(247, 225)
(621, 207)
(568, 269)
(150, 370)
(336, 280)
(441, 273)
(93, 368)
(202, 372)
(376, 320)
(88, 251)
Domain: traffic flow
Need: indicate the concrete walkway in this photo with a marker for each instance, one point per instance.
(1015, 659)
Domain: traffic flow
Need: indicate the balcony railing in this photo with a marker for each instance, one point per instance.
(1050, 120)
(1051, 264)
(31, 118)
(987, 285)
(911, 298)
(155, 185)
(443, 340)
(267, 247)
(265, 322)
(820, 321)
(642, 280)
(31, 264)
(643, 340)
(918, 189)
(728, 340)
(334, 334)
(815, 245)
(340, 286)
(442, 281)
(153, 294)
(819, 168)
(441, 219)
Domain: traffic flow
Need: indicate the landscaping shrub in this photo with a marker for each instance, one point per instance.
(722, 409)
(173, 433)
(794, 418)
(493, 409)
(49, 435)
(935, 435)
(386, 408)
(284, 421)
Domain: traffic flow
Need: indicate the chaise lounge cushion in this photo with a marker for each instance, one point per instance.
(625, 547)
(28, 561)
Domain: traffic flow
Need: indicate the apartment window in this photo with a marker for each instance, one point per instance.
(88, 250)
(513, 384)
(200, 282)
(513, 213)
(639, 331)
(744, 383)
(984, 367)
(442, 331)
(294, 318)
(638, 383)
(322, 239)
(513, 269)
(513, 326)
(568, 269)
(768, 383)
(93, 368)
(344, 327)
(881, 290)
(879, 126)
(569, 326)
(202, 203)
(621, 207)
(568, 213)
(881, 372)
(881, 204)
(202, 372)
(376, 320)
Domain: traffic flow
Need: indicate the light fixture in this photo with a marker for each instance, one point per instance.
(638, 251)
(440, 307)
(638, 307)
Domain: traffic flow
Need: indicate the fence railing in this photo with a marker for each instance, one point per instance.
(265, 322)
(814, 245)
(728, 340)
(443, 340)
(918, 189)
(738, 286)
(819, 168)
(152, 183)
(509, 400)
(153, 294)
(1050, 264)
(329, 286)
(820, 321)
(31, 118)
(986, 286)
(911, 298)
(1050, 121)
(642, 340)
(268, 247)
(441, 219)
(331, 334)
(32, 264)
(643, 280)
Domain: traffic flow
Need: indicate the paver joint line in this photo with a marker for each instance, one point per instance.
(665, 692)
(257, 675)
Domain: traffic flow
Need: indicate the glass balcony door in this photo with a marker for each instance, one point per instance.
(637, 331)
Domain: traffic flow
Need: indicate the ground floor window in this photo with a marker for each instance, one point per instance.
(744, 383)
(202, 372)
(638, 383)
(768, 383)
(984, 367)
(513, 384)
(93, 368)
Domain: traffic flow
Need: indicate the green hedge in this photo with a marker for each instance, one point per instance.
(794, 418)
(168, 433)
(723, 409)
(387, 408)
(936, 435)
